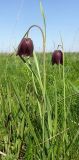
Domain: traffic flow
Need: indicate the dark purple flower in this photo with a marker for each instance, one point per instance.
(57, 57)
(25, 47)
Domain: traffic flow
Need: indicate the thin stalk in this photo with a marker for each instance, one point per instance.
(44, 40)
(2, 153)
(64, 94)
(44, 71)
(44, 105)
(59, 71)
(56, 107)
(64, 123)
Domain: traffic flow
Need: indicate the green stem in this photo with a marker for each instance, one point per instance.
(44, 71)
(64, 123)
(43, 49)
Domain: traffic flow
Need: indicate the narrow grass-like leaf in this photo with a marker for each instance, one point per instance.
(55, 120)
(73, 141)
(26, 114)
(74, 87)
(39, 105)
(22, 136)
(49, 112)
(43, 15)
(44, 70)
(37, 65)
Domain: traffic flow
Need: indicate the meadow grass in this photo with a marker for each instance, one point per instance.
(21, 109)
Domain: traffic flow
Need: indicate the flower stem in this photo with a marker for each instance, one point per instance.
(44, 71)
(38, 77)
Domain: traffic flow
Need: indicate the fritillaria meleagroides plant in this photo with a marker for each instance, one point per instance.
(26, 48)
(57, 56)
(26, 45)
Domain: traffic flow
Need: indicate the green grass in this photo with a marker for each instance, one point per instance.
(21, 109)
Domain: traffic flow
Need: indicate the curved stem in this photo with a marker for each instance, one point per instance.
(41, 32)
(44, 40)
(44, 70)
(43, 49)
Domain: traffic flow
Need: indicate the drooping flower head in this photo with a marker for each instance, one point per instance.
(25, 47)
(57, 57)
